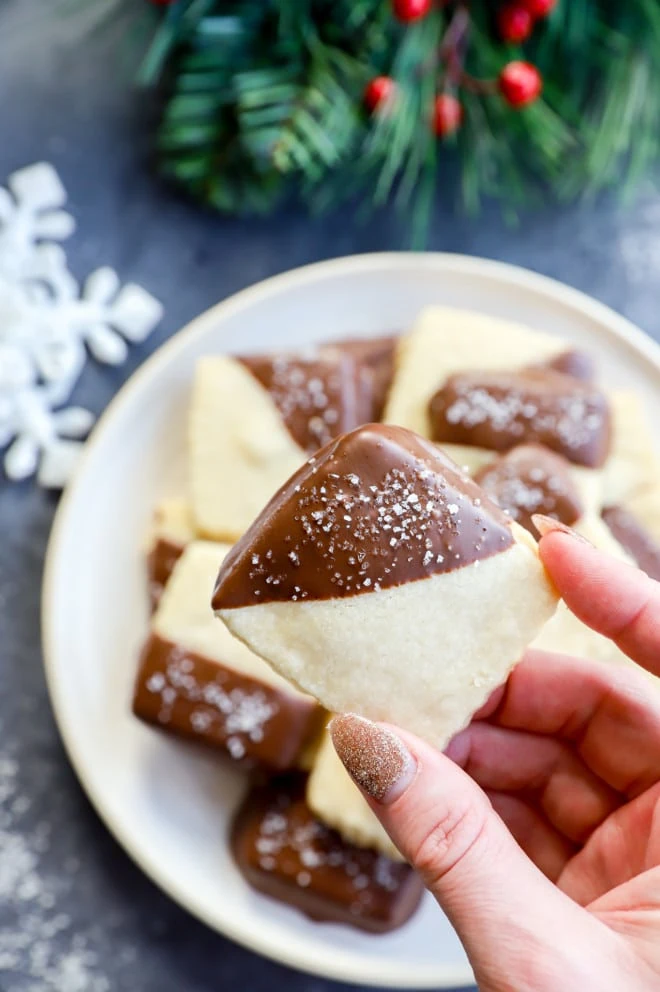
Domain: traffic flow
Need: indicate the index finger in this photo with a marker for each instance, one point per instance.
(610, 713)
(608, 595)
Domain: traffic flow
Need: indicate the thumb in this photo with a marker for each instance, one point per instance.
(511, 920)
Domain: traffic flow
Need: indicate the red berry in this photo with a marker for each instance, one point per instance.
(447, 115)
(411, 10)
(378, 91)
(539, 8)
(515, 23)
(520, 83)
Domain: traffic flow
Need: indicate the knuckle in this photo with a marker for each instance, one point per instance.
(451, 838)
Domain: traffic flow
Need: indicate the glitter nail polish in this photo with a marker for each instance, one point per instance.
(377, 760)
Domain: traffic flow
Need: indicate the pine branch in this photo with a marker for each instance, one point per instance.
(263, 100)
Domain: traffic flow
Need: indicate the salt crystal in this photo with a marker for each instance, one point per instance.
(155, 682)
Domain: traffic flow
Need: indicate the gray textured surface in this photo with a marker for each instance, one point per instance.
(75, 914)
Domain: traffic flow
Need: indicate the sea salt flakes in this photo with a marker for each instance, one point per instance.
(37, 941)
(156, 682)
(236, 748)
(569, 416)
(295, 394)
(316, 848)
(237, 713)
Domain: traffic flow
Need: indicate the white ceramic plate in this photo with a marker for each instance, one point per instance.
(168, 804)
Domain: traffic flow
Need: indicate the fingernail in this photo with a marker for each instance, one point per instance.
(377, 760)
(546, 525)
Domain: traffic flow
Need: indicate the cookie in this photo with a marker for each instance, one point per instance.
(253, 422)
(633, 463)
(637, 540)
(286, 853)
(499, 410)
(382, 580)
(564, 633)
(172, 529)
(532, 479)
(195, 680)
(573, 362)
(318, 397)
(445, 341)
(377, 357)
(335, 799)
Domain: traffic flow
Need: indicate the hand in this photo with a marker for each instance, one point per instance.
(540, 838)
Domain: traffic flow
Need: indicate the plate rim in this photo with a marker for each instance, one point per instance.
(616, 326)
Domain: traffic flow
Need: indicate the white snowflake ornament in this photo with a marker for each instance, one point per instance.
(46, 324)
(32, 215)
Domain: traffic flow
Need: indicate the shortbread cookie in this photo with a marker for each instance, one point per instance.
(566, 634)
(197, 681)
(173, 522)
(639, 542)
(318, 397)
(172, 529)
(254, 421)
(382, 580)
(573, 362)
(445, 341)
(284, 852)
(587, 481)
(532, 479)
(377, 356)
(633, 463)
(469, 458)
(498, 410)
(336, 800)
(645, 506)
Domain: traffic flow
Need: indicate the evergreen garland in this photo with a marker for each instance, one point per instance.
(266, 98)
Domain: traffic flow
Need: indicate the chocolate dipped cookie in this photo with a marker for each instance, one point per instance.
(196, 681)
(254, 421)
(287, 853)
(382, 580)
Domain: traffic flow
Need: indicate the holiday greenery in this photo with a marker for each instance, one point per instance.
(330, 99)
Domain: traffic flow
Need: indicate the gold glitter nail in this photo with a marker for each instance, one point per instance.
(376, 759)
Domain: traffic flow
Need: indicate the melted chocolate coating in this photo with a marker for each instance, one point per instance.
(498, 410)
(572, 362)
(318, 398)
(286, 853)
(195, 697)
(531, 479)
(161, 560)
(376, 356)
(378, 507)
(634, 538)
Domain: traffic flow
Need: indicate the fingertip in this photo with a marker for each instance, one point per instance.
(568, 557)
(612, 597)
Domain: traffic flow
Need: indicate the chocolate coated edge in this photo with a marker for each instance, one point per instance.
(634, 538)
(300, 717)
(230, 587)
(312, 905)
(161, 559)
(592, 453)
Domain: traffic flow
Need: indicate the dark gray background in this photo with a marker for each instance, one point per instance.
(89, 919)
